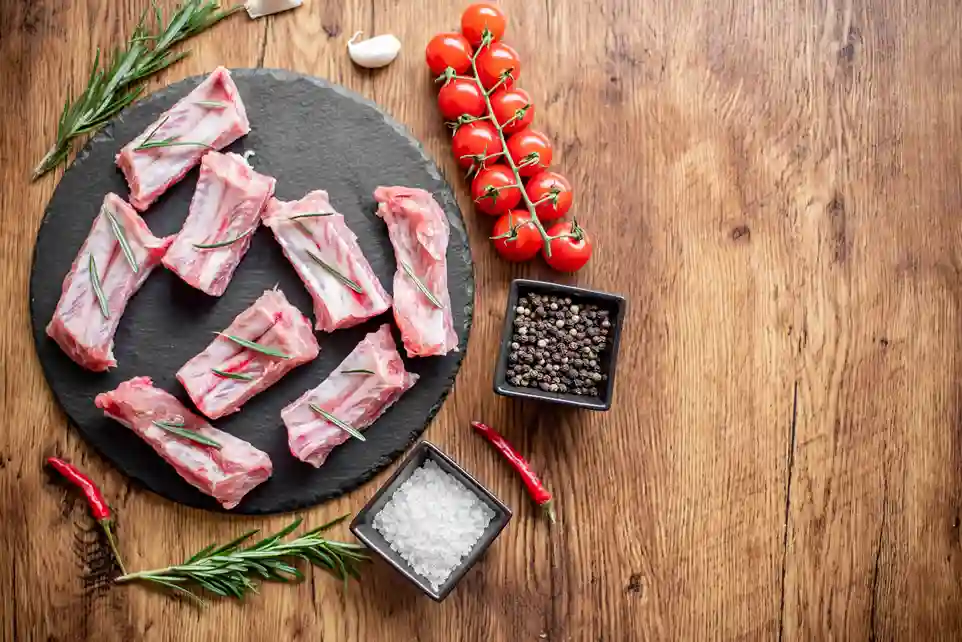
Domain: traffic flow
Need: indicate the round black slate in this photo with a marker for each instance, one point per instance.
(309, 134)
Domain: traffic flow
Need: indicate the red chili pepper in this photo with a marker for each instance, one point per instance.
(95, 499)
(540, 494)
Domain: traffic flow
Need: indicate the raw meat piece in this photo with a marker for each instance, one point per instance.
(327, 238)
(226, 205)
(419, 232)
(357, 399)
(212, 114)
(271, 322)
(226, 473)
(78, 324)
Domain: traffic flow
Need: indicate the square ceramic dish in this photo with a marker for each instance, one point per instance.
(613, 303)
(363, 528)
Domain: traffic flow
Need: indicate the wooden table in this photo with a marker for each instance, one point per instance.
(776, 189)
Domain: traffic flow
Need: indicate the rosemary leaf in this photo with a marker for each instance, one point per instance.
(210, 246)
(232, 375)
(160, 123)
(335, 273)
(201, 553)
(98, 288)
(284, 532)
(215, 104)
(309, 215)
(169, 142)
(358, 371)
(231, 546)
(118, 230)
(112, 86)
(180, 590)
(328, 526)
(418, 282)
(177, 428)
(251, 345)
(353, 432)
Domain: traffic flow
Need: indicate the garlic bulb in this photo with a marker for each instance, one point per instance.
(375, 52)
(259, 8)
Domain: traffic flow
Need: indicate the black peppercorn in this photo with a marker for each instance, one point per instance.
(556, 344)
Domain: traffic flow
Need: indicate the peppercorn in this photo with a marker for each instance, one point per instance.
(557, 345)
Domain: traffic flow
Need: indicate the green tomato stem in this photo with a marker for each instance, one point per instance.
(486, 40)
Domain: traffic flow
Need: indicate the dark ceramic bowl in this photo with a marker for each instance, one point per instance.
(363, 524)
(615, 305)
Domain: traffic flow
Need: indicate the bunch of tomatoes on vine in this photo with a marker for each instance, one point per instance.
(507, 161)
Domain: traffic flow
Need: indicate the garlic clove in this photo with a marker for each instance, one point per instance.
(260, 8)
(375, 52)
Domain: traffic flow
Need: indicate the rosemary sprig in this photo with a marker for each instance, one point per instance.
(418, 282)
(210, 246)
(118, 230)
(252, 345)
(358, 371)
(177, 428)
(352, 431)
(309, 215)
(120, 82)
(98, 287)
(240, 376)
(232, 571)
(335, 273)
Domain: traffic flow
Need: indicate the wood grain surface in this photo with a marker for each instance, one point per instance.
(775, 186)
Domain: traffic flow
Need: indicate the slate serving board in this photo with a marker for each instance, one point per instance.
(309, 134)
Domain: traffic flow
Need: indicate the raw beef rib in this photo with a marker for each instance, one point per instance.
(325, 254)
(224, 467)
(419, 232)
(79, 324)
(368, 382)
(264, 342)
(210, 117)
(224, 213)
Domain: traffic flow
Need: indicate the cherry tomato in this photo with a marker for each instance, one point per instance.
(496, 60)
(531, 152)
(459, 97)
(552, 188)
(448, 50)
(570, 252)
(494, 189)
(474, 141)
(515, 237)
(507, 103)
(480, 16)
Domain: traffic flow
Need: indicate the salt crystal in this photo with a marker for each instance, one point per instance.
(433, 522)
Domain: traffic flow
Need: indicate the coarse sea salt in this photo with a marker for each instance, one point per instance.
(432, 521)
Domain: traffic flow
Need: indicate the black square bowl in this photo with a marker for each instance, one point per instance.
(363, 524)
(615, 304)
